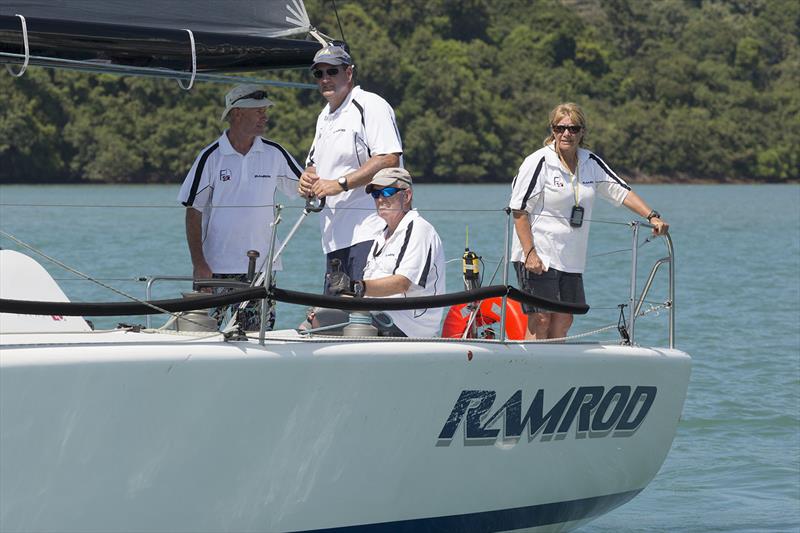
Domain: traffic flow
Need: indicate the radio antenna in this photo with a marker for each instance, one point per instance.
(341, 30)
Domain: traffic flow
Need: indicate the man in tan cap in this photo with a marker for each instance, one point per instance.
(406, 260)
(240, 168)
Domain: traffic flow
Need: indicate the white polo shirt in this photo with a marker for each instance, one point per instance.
(415, 251)
(546, 191)
(363, 126)
(236, 194)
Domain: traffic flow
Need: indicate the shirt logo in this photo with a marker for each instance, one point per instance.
(558, 182)
(224, 175)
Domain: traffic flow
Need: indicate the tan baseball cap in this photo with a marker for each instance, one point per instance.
(390, 177)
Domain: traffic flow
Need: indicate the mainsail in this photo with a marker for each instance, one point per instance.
(257, 18)
(179, 35)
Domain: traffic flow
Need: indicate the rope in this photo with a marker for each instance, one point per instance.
(282, 295)
(27, 50)
(194, 64)
(654, 308)
(576, 336)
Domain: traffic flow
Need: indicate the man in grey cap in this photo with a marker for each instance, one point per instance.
(356, 136)
(406, 260)
(229, 194)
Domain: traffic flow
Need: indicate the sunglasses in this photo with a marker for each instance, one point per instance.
(258, 95)
(573, 129)
(386, 192)
(331, 72)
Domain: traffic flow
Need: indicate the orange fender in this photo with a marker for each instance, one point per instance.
(455, 322)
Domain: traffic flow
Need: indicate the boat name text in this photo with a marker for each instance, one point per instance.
(598, 412)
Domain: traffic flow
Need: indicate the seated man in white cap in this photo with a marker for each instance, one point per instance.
(243, 169)
(406, 260)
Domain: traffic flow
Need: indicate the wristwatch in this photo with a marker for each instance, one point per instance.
(359, 288)
(343, 183)
(653, 214)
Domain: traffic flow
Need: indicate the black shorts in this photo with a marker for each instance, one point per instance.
(553, 285)
(353, 260)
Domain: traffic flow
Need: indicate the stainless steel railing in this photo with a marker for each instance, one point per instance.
(635, 304)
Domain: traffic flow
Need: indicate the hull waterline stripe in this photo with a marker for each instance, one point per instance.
(502, 520)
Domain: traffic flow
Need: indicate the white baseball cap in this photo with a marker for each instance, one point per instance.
(246, 96)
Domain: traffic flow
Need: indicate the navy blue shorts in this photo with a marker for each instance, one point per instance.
(353, 260)
(553, 285)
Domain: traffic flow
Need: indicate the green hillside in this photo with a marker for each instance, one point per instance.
(674, 89)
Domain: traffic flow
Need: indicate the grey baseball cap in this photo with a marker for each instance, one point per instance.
(332, 55)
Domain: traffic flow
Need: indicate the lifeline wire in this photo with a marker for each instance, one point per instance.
(89, 278)
(435, 210)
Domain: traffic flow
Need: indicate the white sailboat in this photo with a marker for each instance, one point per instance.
(140, 429)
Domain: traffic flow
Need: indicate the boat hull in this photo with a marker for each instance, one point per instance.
(157, 432)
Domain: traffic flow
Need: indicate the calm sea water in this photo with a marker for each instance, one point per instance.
(735, 462)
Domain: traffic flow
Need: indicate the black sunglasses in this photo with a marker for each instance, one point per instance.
(573, 129)
(258, 95)
(318, 73)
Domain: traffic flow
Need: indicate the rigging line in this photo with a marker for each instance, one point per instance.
(133, 206)
(101, 279)
(646, 241)
(429, 209)
(321, 338)
(194, 63)
(25, 46)
(487, 259)
(89, 278)
(496, 271)
(151, 72)
(341, 30)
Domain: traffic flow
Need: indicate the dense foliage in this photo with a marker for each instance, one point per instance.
(680, 89)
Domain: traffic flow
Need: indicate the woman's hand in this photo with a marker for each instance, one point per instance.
(533, 263)
(659, 226)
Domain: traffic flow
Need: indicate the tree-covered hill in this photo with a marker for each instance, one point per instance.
(676, 89)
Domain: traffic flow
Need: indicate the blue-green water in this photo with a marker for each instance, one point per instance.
(735, 462)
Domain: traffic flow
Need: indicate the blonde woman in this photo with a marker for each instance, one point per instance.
(552, 198)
